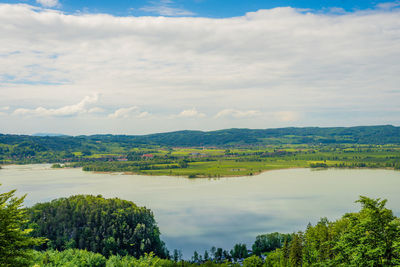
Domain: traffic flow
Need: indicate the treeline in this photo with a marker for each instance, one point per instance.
(370, 165)
(83, 258)
(93, 231)
(386, 134)
(370, 237)
(134, 166)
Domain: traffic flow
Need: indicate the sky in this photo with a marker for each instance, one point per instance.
(139, 67)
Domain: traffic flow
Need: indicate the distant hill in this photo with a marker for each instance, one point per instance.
(384, 134)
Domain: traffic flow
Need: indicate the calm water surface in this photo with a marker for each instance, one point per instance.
(195, 214)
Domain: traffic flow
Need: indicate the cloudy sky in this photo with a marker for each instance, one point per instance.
(127, 67)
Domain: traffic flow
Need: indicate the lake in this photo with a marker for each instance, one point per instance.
(195, 214)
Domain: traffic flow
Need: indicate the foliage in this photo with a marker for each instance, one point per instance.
(15, 243)
(239, 251)
(69, 258)
(253, 261)
(269, 242)
(83, 258)
(274, 258)
(296, 250)
(370, 237)
(106, 226)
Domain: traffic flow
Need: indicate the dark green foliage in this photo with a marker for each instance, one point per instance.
(15, 243)
(318, 165)
(296, 251)
(239, 251)
(362, 135)
(284, 257)
(269, 242)
(106, 226)
(24, 146)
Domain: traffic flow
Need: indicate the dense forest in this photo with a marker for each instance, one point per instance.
(93, 231)
(106, 226)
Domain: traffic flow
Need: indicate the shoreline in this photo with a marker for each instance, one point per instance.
(235, 176)
(197, 176)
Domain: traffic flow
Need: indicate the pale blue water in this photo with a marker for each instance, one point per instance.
(195, 214)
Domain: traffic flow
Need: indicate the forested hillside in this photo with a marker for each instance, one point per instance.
(386, 134)
(106, 226)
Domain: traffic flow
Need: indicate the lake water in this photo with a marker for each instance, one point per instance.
(195, 214)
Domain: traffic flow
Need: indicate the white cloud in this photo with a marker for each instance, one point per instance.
(48, 3)
(69, 110)
(276, 60)
(287, 116)
(164, 8)
(124, 112)
(143, 114)
(388, 5)
(96, 110)
(129, 112)
(190, 113)
(2, 109)
(337, 10)
(237, 113)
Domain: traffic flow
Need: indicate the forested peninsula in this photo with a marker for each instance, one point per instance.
(231, 152)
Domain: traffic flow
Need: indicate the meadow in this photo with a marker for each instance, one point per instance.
(218, 162)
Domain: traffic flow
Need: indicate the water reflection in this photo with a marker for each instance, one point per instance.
(199, 213)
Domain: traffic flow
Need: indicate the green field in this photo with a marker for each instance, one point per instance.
(230, 152)
(218, 162)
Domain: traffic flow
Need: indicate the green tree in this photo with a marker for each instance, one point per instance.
(206, 256)
(296, 251)
(15, 242)
(253, 261)
(269, 242)
(372, 237)
(274, 259)
(69, 258)
(239, 251)
(106, 226)
(285, 254)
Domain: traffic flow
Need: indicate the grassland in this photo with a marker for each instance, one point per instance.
(230, 152)
(219, 162)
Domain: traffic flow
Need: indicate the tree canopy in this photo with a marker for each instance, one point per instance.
(106, 226)
(370, 237)
(15, 243)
